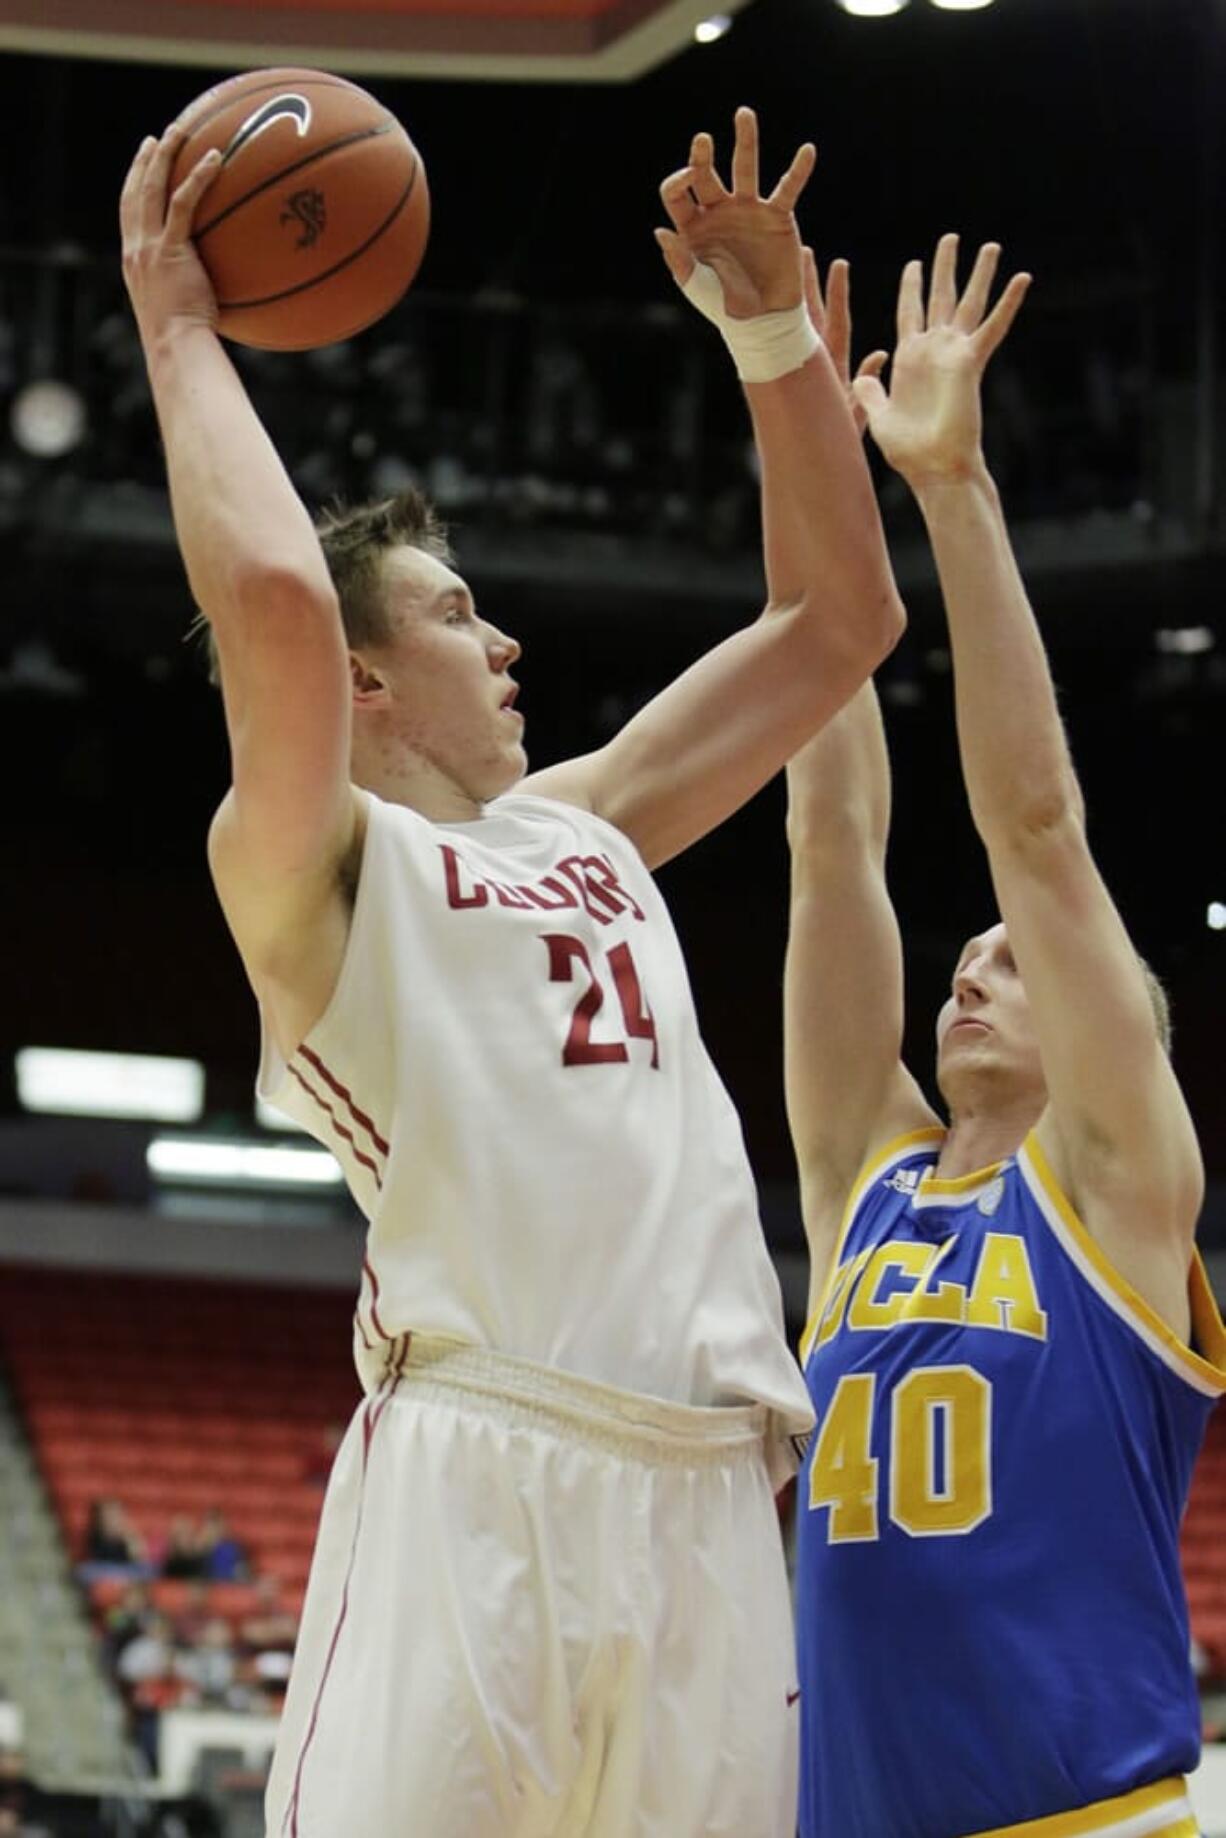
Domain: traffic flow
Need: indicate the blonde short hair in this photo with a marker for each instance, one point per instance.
(354, 541)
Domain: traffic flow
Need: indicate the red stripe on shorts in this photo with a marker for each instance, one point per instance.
(374, 1410)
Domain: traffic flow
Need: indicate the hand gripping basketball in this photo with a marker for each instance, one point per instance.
(319, 216)
(165, 277)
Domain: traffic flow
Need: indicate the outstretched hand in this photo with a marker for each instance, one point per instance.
(831, 315)
(165, 276)
(750, 242)
(930, 424)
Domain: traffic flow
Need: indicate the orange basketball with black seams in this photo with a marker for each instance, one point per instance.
(318, 218)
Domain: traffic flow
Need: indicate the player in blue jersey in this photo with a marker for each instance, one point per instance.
(1012, 1349)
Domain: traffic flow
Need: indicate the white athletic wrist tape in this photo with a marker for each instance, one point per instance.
(764, 347)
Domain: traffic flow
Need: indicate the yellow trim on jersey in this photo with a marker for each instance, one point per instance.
(1117, 1816)
(961, 1183)
(1207, 1325)
(897, 1147)
(1208, 1371)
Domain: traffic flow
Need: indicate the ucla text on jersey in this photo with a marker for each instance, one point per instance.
(991, 1621)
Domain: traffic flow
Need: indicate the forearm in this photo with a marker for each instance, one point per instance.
(839, 787)
(843, 976)
(821, 526)
(236, 514)
(1015, 758)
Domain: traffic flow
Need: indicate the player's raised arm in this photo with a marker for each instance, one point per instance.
(252, 558)
(715, 736)
(847, 1089)
(1117, 1128)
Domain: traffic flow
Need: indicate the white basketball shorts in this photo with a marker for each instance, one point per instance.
(540, 1608)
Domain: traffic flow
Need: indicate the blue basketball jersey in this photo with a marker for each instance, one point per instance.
(991, 1619)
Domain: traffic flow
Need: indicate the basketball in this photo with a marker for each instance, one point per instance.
(318, 218)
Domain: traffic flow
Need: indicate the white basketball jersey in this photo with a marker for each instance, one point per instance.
(511, 1075)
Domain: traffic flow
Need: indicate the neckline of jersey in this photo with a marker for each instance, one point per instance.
(963, 1184)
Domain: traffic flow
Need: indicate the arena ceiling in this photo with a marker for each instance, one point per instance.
(597, 41)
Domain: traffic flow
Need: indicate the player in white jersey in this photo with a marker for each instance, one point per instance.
(548, 1595)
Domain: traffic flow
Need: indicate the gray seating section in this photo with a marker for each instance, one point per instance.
(49, 1666)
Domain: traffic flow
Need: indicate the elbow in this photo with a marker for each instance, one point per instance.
(831, 830)
(271, 611)
(867, 604)
(283, 586)
(1036, 821)
(838, 807)
(859, 631)
(891, 622)
(272, 597)
(868, 624)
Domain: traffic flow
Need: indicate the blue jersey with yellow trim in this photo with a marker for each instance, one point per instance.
(991, 1618)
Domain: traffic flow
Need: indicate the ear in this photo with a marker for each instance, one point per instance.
(368, 682)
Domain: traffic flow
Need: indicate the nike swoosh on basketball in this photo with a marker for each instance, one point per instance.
(294, 108)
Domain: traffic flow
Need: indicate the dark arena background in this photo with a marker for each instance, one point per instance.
(173, 1333)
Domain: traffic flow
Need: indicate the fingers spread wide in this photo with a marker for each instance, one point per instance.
(911, 300)
(943, 296)
(745, 155)
(1001, 317)
(707, 185)
(677, 197)
(974, 301)
(787, 192)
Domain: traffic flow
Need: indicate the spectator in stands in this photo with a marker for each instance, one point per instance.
(193, 1616)
(111, 1538)
(268, 1633)
(318, 1464)
(209, 1668)
(225, 1560)
(186, 1554)
(145, 1670)
(149, 1654)
(125, 1620)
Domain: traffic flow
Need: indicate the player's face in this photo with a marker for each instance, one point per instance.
(984, 1030)
(445, 670)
